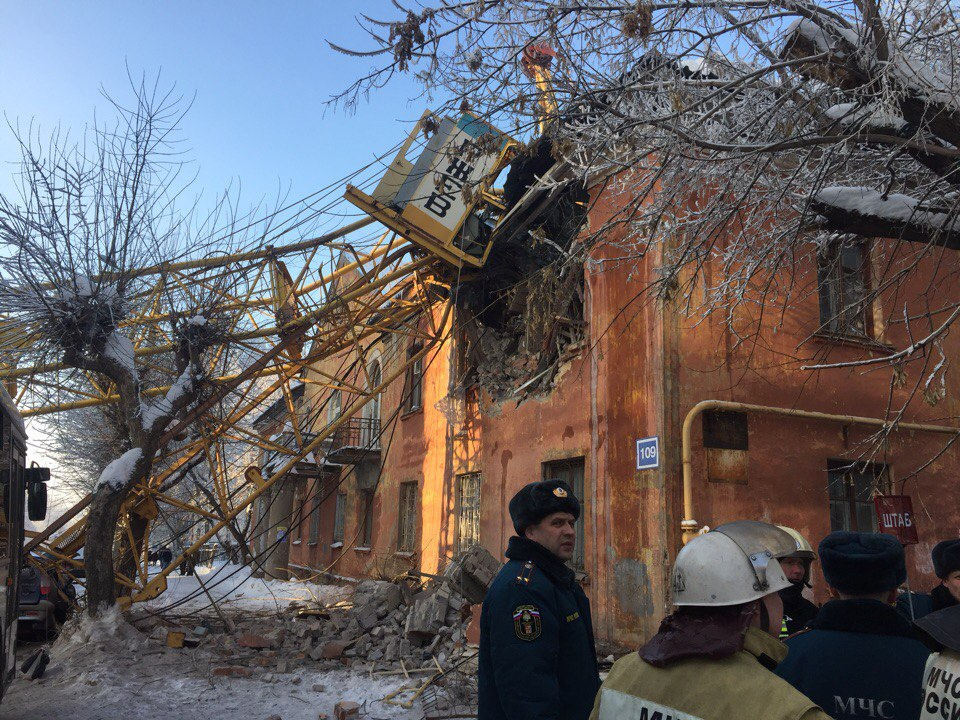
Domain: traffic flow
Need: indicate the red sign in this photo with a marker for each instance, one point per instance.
(895, 517)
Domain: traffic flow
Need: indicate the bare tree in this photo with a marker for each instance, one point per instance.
(740, 139)
(89, 217)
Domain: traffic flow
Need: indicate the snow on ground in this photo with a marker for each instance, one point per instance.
(105, 668)
(234, 589)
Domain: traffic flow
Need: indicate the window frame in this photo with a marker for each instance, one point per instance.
(563, 470)
(459, 536)
(413, 397)
(316, 499)
(366, 498)
(340, 518)
(848, 472)
(407, 516)
(835, 289)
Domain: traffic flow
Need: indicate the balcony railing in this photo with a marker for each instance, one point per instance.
(358, 439)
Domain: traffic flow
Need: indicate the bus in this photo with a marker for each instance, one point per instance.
(24, 492)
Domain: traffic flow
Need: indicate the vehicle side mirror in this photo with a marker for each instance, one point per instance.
(36, 481)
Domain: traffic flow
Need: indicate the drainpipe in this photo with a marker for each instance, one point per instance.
(688, 525)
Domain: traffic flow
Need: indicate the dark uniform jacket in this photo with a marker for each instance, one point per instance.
(537, 657)
(860, 659)
(924, 604)
(798, 612)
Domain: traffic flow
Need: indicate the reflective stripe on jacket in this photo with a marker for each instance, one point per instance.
(732, 688)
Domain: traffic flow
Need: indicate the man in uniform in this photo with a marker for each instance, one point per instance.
(946, 564)
(712, 658)
(537, 657)
(861, 658)
(797, 610)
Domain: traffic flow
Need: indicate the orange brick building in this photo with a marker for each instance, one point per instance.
(422, 473)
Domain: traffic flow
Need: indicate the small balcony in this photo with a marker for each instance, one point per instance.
(355, 441)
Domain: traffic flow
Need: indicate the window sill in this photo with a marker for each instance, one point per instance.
(403, 554)
(361, 549)
(336, 545)
(859, 341)
(295, 542)
(312, 543)
(412, 412)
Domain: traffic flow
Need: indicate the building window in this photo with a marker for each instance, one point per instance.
(852, 487)
(296, 517)
(315, 513)
(468, 511)
(366, 507)
(571, 472)
(376, 377)
(414, 400)
(339, 514)
(843, 281)
(407, 529)
(725, 430)
(334, 406)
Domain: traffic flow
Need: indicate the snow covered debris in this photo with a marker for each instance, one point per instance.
(117, 474)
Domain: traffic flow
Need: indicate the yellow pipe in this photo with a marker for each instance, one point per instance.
(688, 525)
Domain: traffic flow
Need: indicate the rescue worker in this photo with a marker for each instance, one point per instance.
(860, 657)
(797, 610)
(946, 564)
(712, 658)
(537, 656)
(941, 677)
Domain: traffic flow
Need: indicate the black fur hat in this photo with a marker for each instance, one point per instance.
(539, 499)
(862, 563)
(946, 557)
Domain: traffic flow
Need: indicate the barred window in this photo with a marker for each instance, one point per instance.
(339, 515)
(468, 511)
(407, 531)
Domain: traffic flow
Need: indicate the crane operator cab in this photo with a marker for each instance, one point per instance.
(442, 199)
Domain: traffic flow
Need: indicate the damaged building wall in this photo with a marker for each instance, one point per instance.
(643, 367)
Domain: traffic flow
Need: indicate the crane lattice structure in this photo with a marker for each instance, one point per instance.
(286, 309)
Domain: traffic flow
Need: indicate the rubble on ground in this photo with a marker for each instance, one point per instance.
(412, 631)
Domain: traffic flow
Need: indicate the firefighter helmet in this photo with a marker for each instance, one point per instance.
(730, 565)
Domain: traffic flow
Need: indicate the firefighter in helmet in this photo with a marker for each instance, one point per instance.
(797, 610)
(712, 658)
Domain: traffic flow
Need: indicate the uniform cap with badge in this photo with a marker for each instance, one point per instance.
(538, 499)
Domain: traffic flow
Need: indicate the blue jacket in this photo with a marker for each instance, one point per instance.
(924, 604)
(860, 659)
(537, 657)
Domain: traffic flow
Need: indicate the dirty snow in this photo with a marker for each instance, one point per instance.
(104, 668)
(117, 473)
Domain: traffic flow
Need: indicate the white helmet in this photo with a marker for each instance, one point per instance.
(731, 565)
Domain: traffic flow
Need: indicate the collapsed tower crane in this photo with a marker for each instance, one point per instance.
(441, 215)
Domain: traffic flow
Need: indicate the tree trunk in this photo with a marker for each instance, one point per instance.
(98, 549)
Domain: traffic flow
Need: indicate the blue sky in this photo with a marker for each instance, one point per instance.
(261, 71)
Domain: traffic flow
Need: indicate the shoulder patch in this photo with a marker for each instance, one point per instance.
(526, 622)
